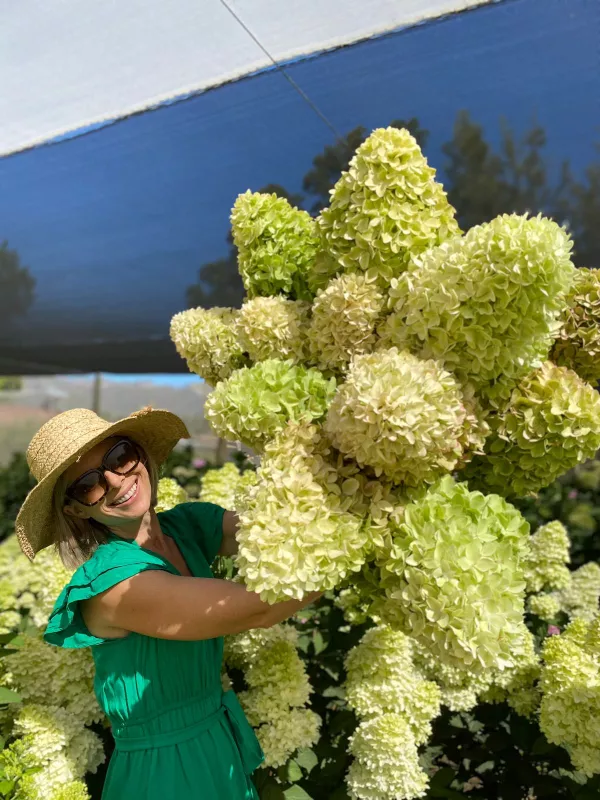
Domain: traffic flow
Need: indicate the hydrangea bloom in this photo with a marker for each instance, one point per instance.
(296, 534)
(570, 684)
(276, 243)
(454, 575)
(256, 403)
(207, 339)
(577, 345)
(47, 675)
(169, 494)
(545, 567)
(275, 702)
(551, 424)
(386, 761)
(381, 679)
(384, 210)
(544, 606)
(273, 327)
(219, 486)
(487, 305)
(279, 739)
(405, 418)
(580, 598)
(344, 318)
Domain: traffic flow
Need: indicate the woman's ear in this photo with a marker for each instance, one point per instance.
(76, 510)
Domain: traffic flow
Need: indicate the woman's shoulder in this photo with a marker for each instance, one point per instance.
(113, 553)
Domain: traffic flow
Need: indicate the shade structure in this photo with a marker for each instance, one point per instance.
(127, 136)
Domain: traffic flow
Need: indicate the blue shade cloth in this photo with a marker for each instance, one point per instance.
(114, 225)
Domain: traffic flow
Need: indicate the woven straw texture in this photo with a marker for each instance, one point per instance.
(63, 440)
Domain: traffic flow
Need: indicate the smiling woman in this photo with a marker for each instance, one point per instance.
(145, 599)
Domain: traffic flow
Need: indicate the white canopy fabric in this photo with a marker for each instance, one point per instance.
(67, 65)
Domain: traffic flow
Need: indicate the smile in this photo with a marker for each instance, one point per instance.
(128, 496)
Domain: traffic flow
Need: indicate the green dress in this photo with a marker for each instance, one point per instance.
(177, 734)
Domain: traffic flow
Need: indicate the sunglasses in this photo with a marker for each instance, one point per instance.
(91, 487)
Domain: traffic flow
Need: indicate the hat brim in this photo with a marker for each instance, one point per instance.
(155, 430)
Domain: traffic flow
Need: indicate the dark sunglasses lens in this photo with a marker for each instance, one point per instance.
(90, 488)
(122, 458)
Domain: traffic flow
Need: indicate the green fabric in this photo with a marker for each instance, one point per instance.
(177, 734)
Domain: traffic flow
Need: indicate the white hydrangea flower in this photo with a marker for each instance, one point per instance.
(381, 678)
(220, 485)
(169, 494)
(544, 606)
(281, 738)
(386, 761)
(296, 534)
(546, 567)
(273, 327)
(580, 597)
(407, 419)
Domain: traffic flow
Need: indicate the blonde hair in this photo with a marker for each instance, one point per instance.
(75, 539)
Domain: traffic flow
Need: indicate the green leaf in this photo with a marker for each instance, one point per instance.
(8, 696)
(296, 793)
(318, 642)
(294, 773)
(307, 759)
(6, 786)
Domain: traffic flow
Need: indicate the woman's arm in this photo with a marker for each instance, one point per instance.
(229, 545)
(165, 606)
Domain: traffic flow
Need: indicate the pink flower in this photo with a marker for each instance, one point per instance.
(553, 630)
(572, 494)
(198, 463)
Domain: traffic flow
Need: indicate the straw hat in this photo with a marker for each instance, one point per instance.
(63, 440)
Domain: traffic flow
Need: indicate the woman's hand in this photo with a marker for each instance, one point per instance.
(229, 545)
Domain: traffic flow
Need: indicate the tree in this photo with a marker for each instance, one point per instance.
(582, 212)
(16, 286)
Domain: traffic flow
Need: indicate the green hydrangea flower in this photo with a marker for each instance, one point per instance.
(570, 684)
(289, 732)
(207, 339)
(405, 418)
(296, 534)
(577, 345)
(257, 402)
(344, 318)
(486, 304)
(386, 209)
(169, 494)
(276, 243)
(273, 327)
(454, 576)
(551, 424)
(580, 598)
(220, 485)
(546, 566)
(381, 679)
(544, 606)
(386, 761)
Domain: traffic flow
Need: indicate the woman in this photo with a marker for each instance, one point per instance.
(144, 598)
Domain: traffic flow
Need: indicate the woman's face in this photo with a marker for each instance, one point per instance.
(111, 511)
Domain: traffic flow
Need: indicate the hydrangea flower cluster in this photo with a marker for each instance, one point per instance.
(278, 691)
(545, 606)
(220, 485)
(207, 339)
(577, 345)
(570, 684)
(385, 209)
(169, 494)
(276, 243)
(551, 424)
(487, 304)
(580, 598)
(273, 327)
(295, 533)
(546, 565)
(405, 418)
(381, 679)
(386, 761)
(344, 317)
(454, 576)
(254, 405)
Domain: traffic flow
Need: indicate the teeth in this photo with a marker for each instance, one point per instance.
(127, 496)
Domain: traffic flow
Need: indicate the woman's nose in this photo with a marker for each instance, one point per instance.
(113, 480)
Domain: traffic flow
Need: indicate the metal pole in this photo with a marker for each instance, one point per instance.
(221, 452)
(96, 392)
